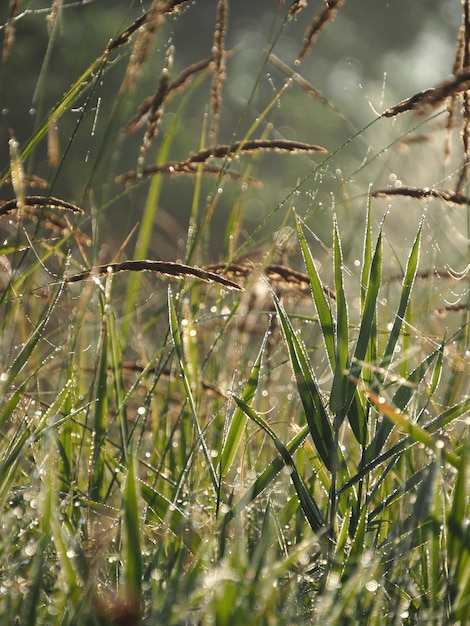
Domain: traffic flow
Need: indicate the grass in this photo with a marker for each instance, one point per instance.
(229, 396)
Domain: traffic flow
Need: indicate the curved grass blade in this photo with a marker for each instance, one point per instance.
(69, 569)
(269, 474)
(308, 504)
(461, 610)
(366, 254)
(315, 411)
(10, 460)
(11, 457)
(367, 257)
(100, 397)
(9, 406)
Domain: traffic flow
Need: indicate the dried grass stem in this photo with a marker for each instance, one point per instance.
(422, 194)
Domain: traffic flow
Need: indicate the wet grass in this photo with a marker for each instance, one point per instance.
(234, 365)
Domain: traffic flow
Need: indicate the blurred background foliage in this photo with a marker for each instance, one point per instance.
(374, 54)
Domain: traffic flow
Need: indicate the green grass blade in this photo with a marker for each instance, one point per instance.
(163, 511)
(10, 460)
(436, 539)
(133, 543)
(368, 313)
(444, 419)
(75, 91)
(97, 488)
(371, 356)
(338, 397)
(322, 304)
(407, 389)
(401, 398)
(64, 541)
(357, 416)
(64, 547)
(238, 422)
(12, 402)
(459, 531)
(11, 456)
(461, 609)
(315, 411)
(269, 474)
(356, 410)
(116, 358)
(308, 504)
(407, 285)
(458, 511)
(366, 254)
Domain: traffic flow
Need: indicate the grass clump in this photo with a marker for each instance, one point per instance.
(233, 386)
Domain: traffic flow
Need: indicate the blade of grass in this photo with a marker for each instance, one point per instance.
(269, 474)
(315, 411)
(174, 329)
(407, 285)
(416, 432)
(368, 315)
(76, 90)
(308, 504)
(97, 484)
(162, 511)
(322, 305)
(33, 600)
(237, 425)
(367, 255)
(403, 396)
(11, 457)
(133, 543)
(116, 356)
(436, 425)
(354, 405)
(22, 359)
(338, 397)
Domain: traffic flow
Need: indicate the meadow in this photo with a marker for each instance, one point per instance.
(234, 320)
